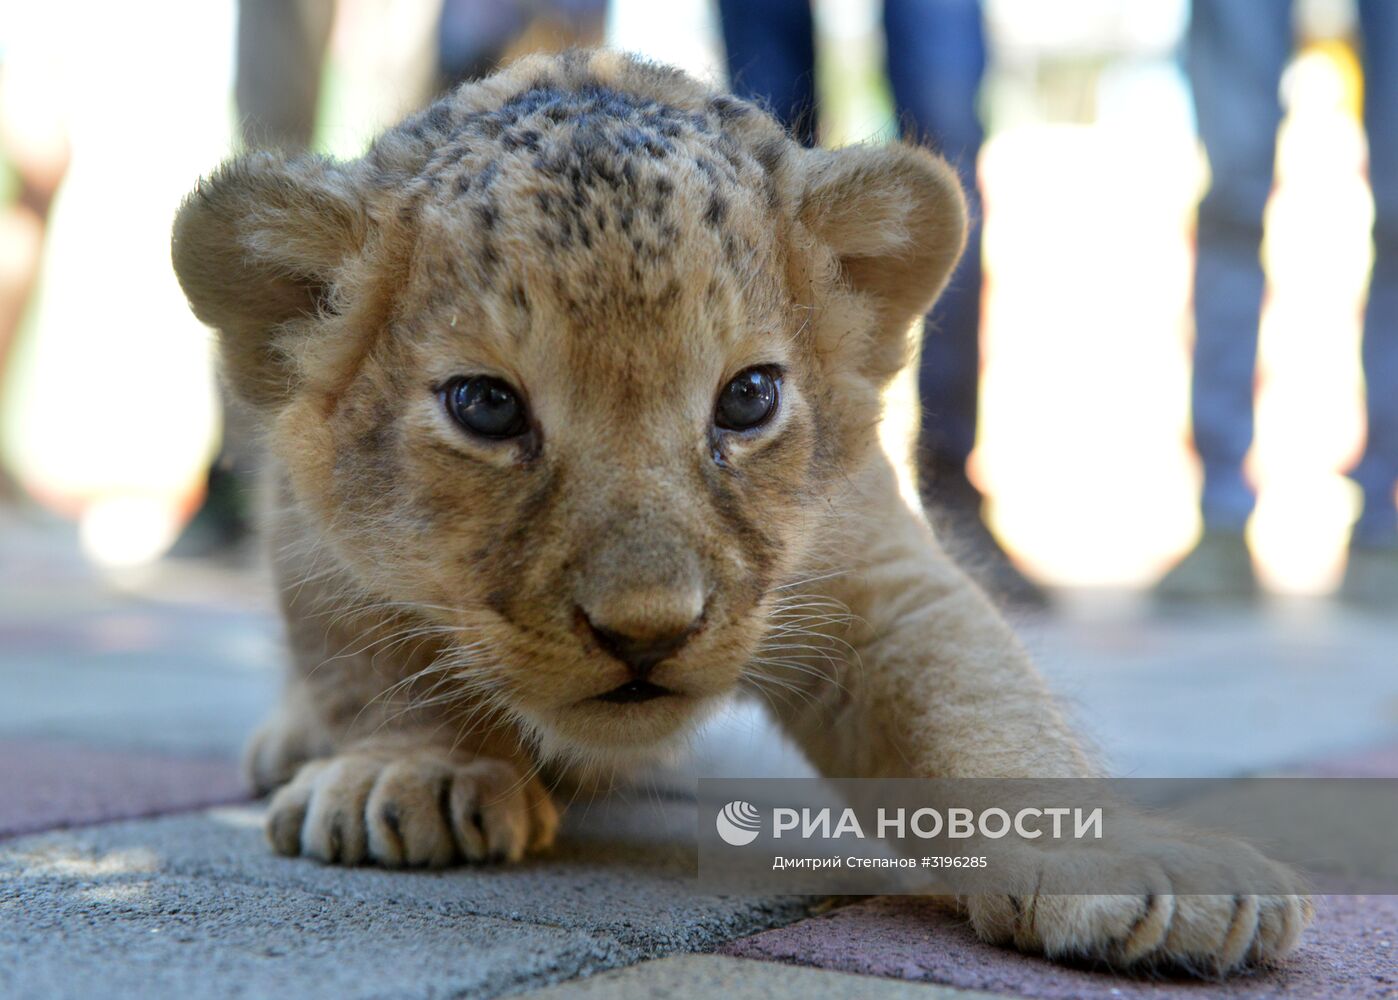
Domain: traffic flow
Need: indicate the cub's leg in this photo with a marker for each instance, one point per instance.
(936, 686)
(372, 758)
(369, 780)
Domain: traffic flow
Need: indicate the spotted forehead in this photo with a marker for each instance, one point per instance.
(588, 133)
(620, 208)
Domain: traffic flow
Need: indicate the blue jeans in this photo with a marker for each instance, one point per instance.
(936, 58)
(1237, 51)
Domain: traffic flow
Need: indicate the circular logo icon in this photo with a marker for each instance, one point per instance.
(738, 823)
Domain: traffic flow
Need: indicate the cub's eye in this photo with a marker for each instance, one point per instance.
(486, 406)
(748, 401)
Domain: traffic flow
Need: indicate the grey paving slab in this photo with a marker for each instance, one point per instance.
(1215, 694)
(184, 658)
(114, 925)
(628, 870)
(133, 706)
(179, 658)
(619, 890)
(740, 979)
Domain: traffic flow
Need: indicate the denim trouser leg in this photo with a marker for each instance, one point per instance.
(771, 58)
(936, 58)
(1377, 471)
(1237, 50)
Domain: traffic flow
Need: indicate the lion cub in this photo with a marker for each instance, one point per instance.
(572, 384)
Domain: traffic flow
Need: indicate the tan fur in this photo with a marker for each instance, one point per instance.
(617, 241)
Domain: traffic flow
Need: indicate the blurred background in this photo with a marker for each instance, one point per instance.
(1059, 386)
(1090, 170)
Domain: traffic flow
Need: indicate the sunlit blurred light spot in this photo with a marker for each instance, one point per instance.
(1086, 385)
(61, 860)
(117, 895)
(1300, 528)
(127, 530)
(240, 817)
(1317, 254)
(682, 33)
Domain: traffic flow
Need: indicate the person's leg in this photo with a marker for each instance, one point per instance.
(1377, 472)
(1371, 576)
(471, 35)
(280, 56)
(281, 48)
(936, 59)
(1237, 51)
(771, 58)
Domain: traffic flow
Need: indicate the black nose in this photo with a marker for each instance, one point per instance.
(642, 653)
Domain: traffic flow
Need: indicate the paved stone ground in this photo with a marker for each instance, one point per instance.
(130, 867)
(737, 979)
(1351, 952)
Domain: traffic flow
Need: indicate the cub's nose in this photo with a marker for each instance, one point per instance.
(642, 647)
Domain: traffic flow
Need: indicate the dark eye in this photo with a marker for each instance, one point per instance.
(747, 401)
(486, 406)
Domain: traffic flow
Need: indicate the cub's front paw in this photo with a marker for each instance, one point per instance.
(421, 809)
(1161, 925)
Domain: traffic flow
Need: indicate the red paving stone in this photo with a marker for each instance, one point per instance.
(1349, 952)
(45, 785)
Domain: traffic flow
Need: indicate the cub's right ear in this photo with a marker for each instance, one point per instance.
(257, 246)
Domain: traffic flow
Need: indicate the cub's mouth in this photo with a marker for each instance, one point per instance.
(633, 692)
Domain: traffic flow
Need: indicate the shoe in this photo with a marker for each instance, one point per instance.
(976, 550)
(955, 508)
(1371, 577)
(222, 525)
(1218, 570)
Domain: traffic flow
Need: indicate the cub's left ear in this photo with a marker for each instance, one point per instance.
(895, 218)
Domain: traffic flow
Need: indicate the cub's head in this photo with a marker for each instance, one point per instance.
(572, 363)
